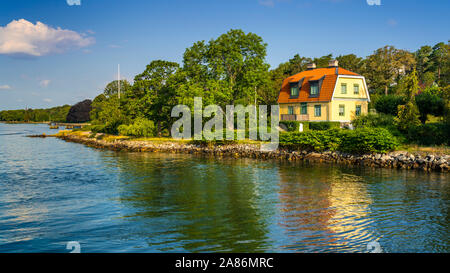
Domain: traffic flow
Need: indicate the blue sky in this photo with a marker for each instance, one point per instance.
(74, 53)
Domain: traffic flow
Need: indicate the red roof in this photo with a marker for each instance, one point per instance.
(327, 87)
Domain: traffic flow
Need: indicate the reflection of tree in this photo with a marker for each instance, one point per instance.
(202, 205)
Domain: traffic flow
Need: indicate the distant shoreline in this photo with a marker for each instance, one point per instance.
(24, 122)
(45, 122)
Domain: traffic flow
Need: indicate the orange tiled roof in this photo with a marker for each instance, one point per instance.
(326, 90)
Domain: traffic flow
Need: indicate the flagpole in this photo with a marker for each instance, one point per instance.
(118, 79)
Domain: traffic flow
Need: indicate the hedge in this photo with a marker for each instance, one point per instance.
(430, 134)
(324, 125)
(293, 126)
(359, 141)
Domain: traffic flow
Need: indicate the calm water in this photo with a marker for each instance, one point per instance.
(52, 192)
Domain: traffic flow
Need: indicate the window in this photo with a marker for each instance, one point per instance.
(358, 110)
(356, 89)
(314, 88)
(303, 108)
(317, 110)
(290, 110)
(294, 91)
(341, 110)
(344, 88)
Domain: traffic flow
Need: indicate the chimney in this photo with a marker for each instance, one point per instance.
(333, 63)
(311, 66)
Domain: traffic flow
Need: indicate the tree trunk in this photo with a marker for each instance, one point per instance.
(159, 128)
(386, 90)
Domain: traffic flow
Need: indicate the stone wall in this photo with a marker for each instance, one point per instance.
(396, 160)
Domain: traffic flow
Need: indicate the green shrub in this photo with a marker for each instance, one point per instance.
(140, 128)
(324, 125)
(389, 104)
(368, 140)
(97, 128)
(359, 141)
(373, 120)
(429, 104)
(379, 120)
(430, 134)
(294, 126)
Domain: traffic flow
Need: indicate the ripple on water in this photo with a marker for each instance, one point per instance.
(54, 192)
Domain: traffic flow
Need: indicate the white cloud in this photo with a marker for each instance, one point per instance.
(23, 38)
(5, 87)
(47, 100)
(44, 83)
(73, 2)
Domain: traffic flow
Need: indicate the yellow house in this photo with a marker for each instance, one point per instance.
(323, 94)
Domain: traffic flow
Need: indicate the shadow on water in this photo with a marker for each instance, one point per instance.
(206, 205)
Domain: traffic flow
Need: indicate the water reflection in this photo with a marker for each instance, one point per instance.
(205, 204)
(197, 204)
(54, 192)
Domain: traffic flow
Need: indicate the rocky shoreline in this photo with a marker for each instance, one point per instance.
(393, 160)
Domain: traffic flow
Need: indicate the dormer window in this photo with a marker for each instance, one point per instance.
(314, 88)
(294, 91)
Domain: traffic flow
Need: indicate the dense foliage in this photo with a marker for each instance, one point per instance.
(80, 112)
(429, 134)
(57, 114)
(140, 128)
(388, 104)
(359, 141)
(430, 103)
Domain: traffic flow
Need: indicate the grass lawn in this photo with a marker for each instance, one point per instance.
(424, 150)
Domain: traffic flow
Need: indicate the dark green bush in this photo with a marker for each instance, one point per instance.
(359, 141)
(293, 126)
(389, 104)
(324, 125)
(430, 134)
(429, 103)
(373, 120)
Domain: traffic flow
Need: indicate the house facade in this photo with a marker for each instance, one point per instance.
(323, 94)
